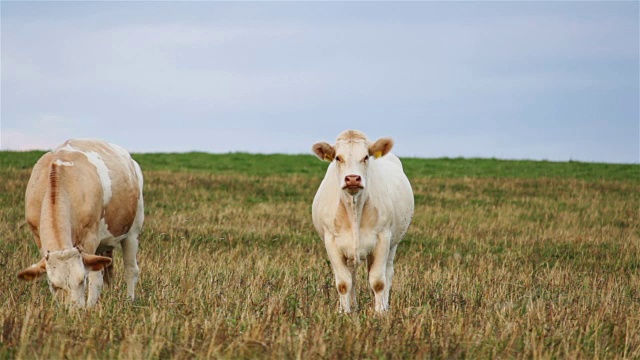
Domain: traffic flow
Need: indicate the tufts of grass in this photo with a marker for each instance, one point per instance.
(524, 265)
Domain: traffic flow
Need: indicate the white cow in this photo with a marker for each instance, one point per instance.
(83, 199)
(362, 210)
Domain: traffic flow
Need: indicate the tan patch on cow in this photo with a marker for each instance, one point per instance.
(378, 286)
(341, 222)
(342, 288)
(352, 135)
(35, 193)
(121, 211)
(369, 216)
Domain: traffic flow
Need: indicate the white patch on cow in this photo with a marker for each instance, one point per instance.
(63, 163)
(103, 174)
(124, 157)
(106, 237)
(66, 147)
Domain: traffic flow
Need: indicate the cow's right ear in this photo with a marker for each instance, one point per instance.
(34, 271)
(95, 262)
(324, 151)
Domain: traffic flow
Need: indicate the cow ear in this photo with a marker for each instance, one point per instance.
(324, 151)
(34, 271)
(381, 147)
(95, 262)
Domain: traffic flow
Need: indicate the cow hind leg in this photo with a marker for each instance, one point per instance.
(108, 270)
(129, 257)
(389, 273)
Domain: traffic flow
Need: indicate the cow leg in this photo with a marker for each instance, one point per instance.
(353, 269)
(131, 270)
(378, 272)
(95, 286)
(342, 273)
(108, 270)
(390, 258)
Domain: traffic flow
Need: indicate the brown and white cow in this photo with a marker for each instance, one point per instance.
(362, 210)
(84, 198)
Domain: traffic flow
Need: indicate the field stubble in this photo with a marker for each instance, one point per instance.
(231, 267)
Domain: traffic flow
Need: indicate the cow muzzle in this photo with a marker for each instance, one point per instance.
(352, 184)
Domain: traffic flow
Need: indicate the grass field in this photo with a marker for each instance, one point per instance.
(504, 259)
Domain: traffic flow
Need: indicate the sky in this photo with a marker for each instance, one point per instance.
(536, 80)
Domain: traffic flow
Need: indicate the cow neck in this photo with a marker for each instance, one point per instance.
(355, 206)
(55, 217)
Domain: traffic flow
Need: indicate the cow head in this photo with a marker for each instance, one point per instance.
(67, 272)
(352, 154)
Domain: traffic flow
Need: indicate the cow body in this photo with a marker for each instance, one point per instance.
(84, 198)
(362, 210)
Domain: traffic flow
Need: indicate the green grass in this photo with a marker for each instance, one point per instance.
(504, 259)
(279, 164)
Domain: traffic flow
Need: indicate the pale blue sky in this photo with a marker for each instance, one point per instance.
(513, 80)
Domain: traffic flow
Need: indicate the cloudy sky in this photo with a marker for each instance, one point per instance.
(513, 80)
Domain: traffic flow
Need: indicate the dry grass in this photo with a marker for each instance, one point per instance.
(232, 268)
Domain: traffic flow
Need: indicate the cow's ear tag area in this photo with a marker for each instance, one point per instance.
(377, 154)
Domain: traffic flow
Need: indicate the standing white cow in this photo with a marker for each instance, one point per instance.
(362, 210)
(82, 199)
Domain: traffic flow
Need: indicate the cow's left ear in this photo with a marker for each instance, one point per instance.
(34, 271)
(324, 151)
(95, 262)
(381, 147)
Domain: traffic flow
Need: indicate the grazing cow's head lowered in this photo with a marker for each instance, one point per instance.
(66, 271)
(351, 154)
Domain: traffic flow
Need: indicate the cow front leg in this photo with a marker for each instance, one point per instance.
(378, 272)
(353, 269)
(131, 270)
(343, 274)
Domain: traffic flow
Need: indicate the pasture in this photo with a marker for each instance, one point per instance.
(504, 259)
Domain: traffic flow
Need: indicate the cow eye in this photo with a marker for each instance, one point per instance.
(338, 158)
(366, 158)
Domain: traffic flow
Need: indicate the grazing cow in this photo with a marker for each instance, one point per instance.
(83, 199)
(362, 210)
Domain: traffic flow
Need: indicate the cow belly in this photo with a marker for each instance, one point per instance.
(107, 239)
(367, 243)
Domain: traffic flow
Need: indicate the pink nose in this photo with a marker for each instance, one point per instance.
(352, 180)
